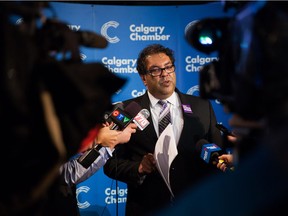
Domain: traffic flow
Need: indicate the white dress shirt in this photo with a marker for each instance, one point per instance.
(175, 111)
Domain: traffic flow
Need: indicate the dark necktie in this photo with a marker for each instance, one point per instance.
(165, 117)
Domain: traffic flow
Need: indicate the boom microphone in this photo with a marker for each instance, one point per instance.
(210, 152)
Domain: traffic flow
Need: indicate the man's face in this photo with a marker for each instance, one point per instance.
(161, 86)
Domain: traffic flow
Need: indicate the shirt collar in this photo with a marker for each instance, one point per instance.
(172, 99)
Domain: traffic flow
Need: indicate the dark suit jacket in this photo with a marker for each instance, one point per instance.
(186, 169)
(257, 187)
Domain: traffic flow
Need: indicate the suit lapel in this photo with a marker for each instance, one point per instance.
(189, 118)
(145, 104)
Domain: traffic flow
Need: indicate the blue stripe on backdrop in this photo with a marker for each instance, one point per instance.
(128, 29)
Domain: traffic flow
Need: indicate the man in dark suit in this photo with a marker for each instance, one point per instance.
(192, 119)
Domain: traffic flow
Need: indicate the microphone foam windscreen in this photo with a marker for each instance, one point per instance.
(133, 109)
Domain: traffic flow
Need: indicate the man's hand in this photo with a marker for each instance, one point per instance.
(147, 165)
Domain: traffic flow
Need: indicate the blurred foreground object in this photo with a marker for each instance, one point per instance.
(251, 79)
(48, 104)
(250, 75)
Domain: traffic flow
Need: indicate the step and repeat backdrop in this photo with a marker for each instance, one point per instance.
(128, 29)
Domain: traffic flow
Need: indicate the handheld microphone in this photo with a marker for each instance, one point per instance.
(132, 112)
(89, 156)
(121, 119)
(228, 145)
(210, 153)
(224, 130)
(107, 115)
(141, 119)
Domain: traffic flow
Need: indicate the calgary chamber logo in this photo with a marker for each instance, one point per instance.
(194, 64)
(83, 56)
(82, 189)
(137, 93)
(110, 196)
(19, 21)
(194, 90)
(120, 65)
(137, 32)
(104, 31)
(148, 33)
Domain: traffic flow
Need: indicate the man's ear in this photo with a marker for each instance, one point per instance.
(143, 77)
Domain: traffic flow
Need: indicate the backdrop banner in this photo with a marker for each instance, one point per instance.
(128, 30)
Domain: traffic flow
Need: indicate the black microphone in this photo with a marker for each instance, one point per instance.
(228, 145)
(107, 114)
(224, 130)
(89, 156)
(121, 119)
(210, 153)
(91, 39)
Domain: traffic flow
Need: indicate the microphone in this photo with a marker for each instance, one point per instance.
(229, 146)
(224, 130)
(89, 156)
(121, 119)
(107, 114)
(91, 39)
(141, 119)
(132, 112)
(210, 153)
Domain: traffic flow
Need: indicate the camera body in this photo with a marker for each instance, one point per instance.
(250, 75)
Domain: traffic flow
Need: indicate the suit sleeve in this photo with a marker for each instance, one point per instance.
(122, 169)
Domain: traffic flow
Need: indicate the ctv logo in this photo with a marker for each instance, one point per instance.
(121, 117)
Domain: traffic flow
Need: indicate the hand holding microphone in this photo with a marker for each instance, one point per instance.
(125, 135)
(121, 118)
(117, 129)
(213, 154)
(110, 138)
(225, 162)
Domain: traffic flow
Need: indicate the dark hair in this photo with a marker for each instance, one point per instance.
(149, 50)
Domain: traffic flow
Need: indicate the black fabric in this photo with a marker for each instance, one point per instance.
(186, 170)
(81, 93)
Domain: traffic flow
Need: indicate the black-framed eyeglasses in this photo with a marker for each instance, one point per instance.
(158, 71)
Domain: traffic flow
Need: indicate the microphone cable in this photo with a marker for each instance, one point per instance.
(116, 183)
